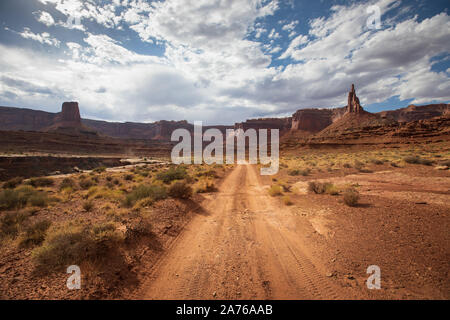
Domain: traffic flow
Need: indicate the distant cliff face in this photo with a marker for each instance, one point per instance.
(315, 120)
(414, 113)
(282, 124)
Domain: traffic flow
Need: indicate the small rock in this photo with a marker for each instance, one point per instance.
(214, 294)
(441, 168)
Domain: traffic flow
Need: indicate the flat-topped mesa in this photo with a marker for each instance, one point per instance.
(70, 113)
(353, 105)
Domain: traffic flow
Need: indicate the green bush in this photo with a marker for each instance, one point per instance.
(180, 190)
(12, 183)
(35, 233)
(178, 173)
(351, 197)
(154, 191)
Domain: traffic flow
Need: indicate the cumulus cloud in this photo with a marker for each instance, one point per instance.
(45, 18)
(43, 38)
(217, 66)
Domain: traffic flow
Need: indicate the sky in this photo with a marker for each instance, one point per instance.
(221, 61)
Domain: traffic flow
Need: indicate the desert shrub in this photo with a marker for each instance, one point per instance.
(275, 190)
(74, 244)
(180, 190)
(109, 178)
(100, 169)
(286, 187)
(358, 165)
(287, 201)
(20, 196)
(154, 191)
(446, 163)
(211, 173)
(12, 183)
(86, 183)
(331, 189)
(67, 183)
(347, 165)
(10, 224)
(177, 173)
(35, 234)
(205, 185)
(41, 182)
(417, 160)
(351, 197)
(38, 199)
(316, 187)
(298, 172)
(364, 170)
(394, 164)
(128, 177)
(88, 205)
(376, 161)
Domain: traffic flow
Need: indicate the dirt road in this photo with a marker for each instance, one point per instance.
(242, 246)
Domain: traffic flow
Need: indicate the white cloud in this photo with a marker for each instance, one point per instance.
(46, 18)
(211, 68)
(43, 38)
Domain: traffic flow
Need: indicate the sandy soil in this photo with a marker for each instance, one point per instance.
(248, 245)
(244, 246)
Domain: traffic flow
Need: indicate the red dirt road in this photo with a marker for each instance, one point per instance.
(243, 245)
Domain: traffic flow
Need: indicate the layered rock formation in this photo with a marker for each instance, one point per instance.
(282, 124)
(315, 120)
(415, 113)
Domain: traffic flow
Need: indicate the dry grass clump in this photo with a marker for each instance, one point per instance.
(35, 234)
(21, 196)
(74, 243)
(351, 197)
(298, 172)
(287, 201)
(86, 183)
(10, 224)
(12, 183)
(322, 188)
(275, 190)
(67, 183)
(205, 185)
(88, 205)
(417, 160)
(177, 173)
(153, 191)
(180, 190)
(99, 169)
(41, 182)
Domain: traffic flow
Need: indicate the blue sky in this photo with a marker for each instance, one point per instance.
(221, 61)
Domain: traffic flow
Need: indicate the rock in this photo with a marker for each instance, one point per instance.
(441, 168)
(353, 105)
(214, 294)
